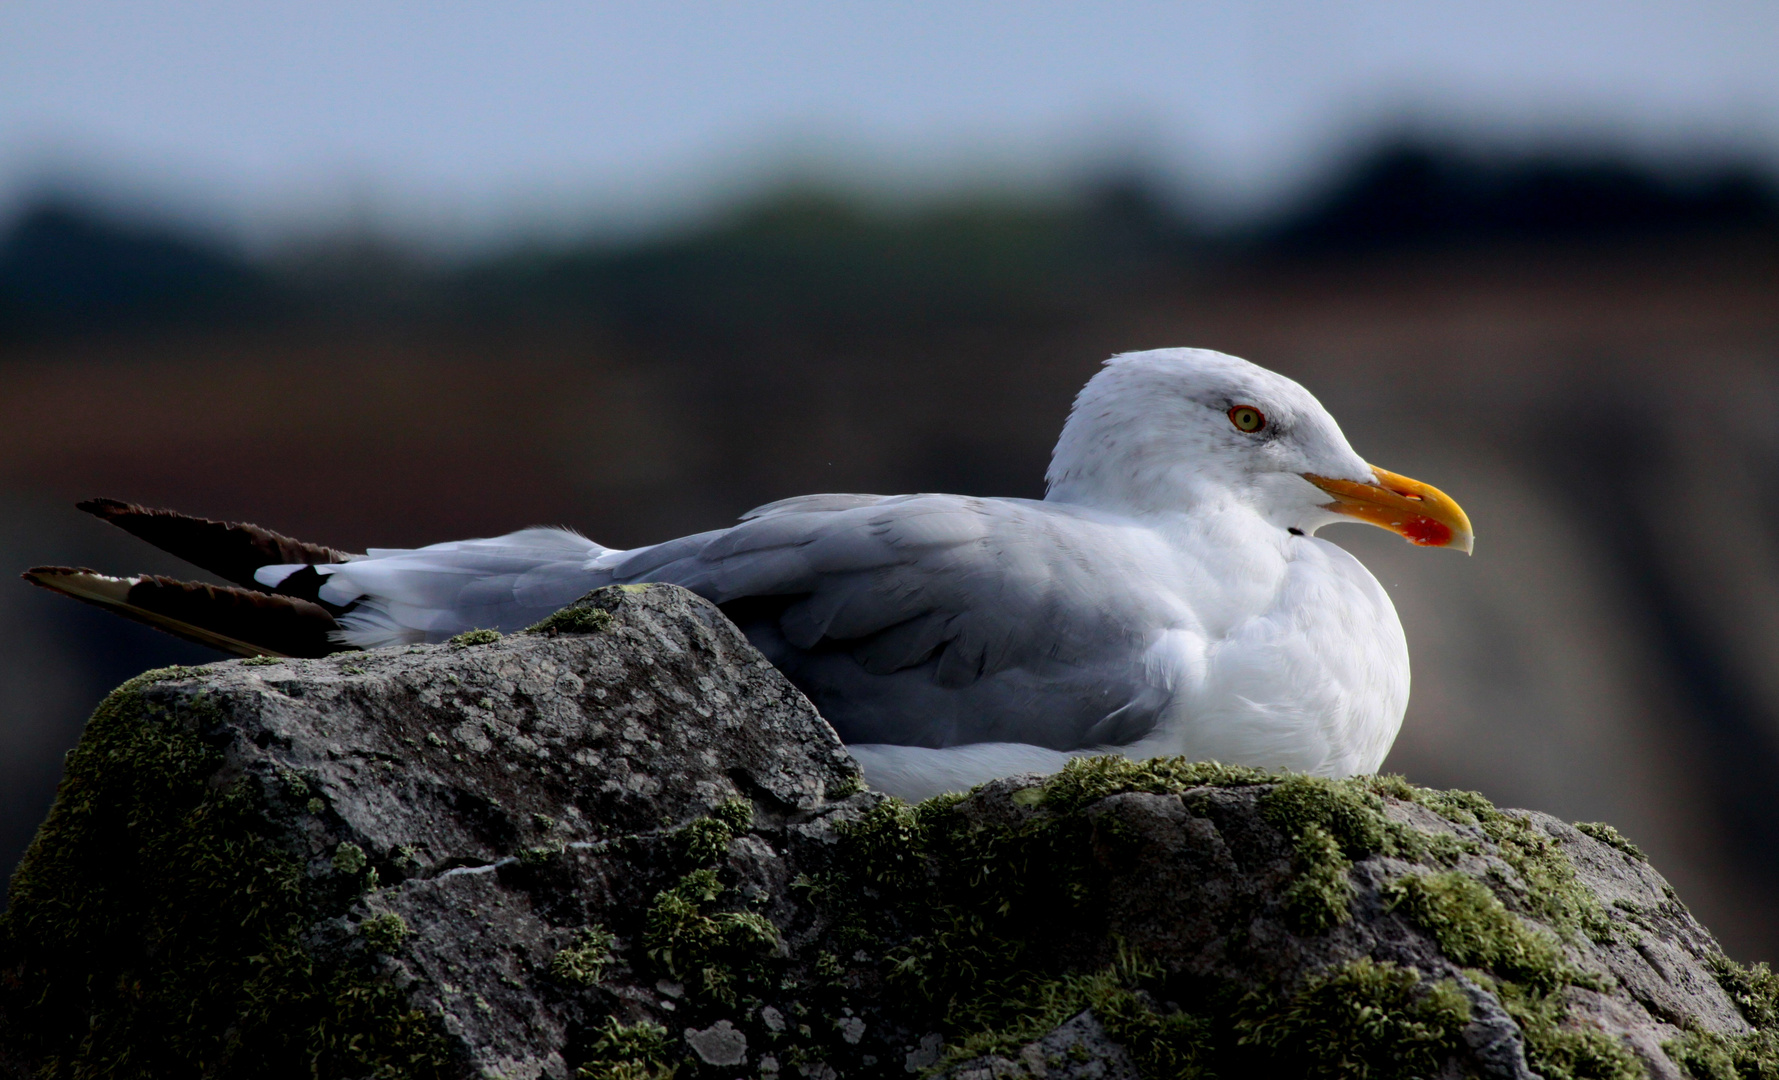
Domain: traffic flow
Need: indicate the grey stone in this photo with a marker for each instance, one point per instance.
(719, 1044)
(500, 838)
(1078, 1049)
(926, 1055)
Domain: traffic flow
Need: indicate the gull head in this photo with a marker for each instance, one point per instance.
(1177, 430)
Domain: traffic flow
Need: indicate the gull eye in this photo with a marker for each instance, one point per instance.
(1247, 418)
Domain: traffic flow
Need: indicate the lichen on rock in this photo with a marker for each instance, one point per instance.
(623, 847)
(157, 923)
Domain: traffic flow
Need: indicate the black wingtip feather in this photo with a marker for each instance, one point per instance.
(232, 550)
(239, 621)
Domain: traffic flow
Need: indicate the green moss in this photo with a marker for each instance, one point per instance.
(577, 619)
(637, 1052)
(844, 788)
(1560, 1052)
(972, 899)
(540, 854)
(738, 814)
(706, 839)
(1361, 1019)
(475, 637)
(947, 908)
(1709, 1055)
(1321, 897)
(1755, 990)
(156, 924)
(969, 900)
(1551, 890)
(1329, 823)
(1349, 814)
(262, 661)
(584, 962)
(886, 845)
(166, 674)
(717, 953)
(1755, 1056)
(1461, 807)
(1611, 837)
(1579, 1054)
(349, 858)
(1161, 1044)
(1473, 928)
(1548, 888)
(385, 932)
(1085, 780)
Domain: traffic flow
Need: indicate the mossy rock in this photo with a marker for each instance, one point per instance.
(157, 925)
(635, 851)
(1168, 900)
(299, 869)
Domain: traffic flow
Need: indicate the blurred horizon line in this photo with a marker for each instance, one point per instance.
(71, 264)
(358, 211)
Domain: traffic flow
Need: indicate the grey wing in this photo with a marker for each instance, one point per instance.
(806, 503)
(937, 619)
(428, 594)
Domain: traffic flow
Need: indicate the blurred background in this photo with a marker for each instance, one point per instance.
(386, 273)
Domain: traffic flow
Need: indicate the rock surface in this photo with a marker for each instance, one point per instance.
(622, 846)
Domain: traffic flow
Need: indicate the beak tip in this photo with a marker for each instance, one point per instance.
(1419, 513)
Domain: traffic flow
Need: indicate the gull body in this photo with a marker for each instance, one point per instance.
(1167, 596)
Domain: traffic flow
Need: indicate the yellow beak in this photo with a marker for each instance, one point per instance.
(1419, 512)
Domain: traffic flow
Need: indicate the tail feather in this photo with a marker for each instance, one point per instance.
(239, 621)
(232, 550)
(302, 599)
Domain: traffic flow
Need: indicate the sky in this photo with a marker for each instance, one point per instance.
(459, 118)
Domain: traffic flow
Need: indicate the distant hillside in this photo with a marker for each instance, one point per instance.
(66, 268)
(1412, 195)
(824, 261)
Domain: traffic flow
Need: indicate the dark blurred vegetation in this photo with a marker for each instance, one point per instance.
(1410, 196)
(1583, 350)
(65, 269)
(815, 261)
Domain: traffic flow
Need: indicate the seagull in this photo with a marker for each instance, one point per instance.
(1167, 596)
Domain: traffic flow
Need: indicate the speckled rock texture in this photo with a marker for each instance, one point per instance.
(621, 846)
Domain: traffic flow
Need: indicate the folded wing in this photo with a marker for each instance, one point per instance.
(942, 619)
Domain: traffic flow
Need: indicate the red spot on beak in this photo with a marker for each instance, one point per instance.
(1426, 532)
